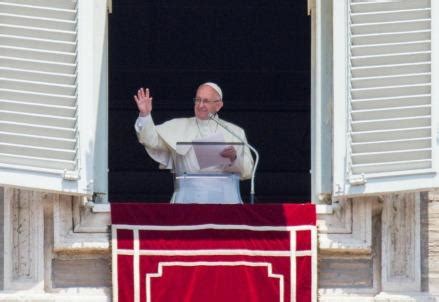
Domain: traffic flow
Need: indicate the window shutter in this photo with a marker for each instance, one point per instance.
(384, 62)
(40, 110)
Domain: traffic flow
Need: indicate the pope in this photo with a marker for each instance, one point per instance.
(160, 141)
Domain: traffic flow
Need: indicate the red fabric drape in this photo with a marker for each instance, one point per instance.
(200, 253)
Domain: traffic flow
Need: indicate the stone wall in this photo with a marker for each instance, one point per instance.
(56, 248)
(380, 249)
(430, 242)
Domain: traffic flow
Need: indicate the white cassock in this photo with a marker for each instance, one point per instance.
(161, 143)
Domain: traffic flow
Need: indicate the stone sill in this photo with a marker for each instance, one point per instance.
(61, 295)
(99, 207)
(324, 209)
(321, 209)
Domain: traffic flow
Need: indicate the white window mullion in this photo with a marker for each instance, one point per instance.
(434, 81)
(340, 75)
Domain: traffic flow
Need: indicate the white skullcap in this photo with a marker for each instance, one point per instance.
(214, 87)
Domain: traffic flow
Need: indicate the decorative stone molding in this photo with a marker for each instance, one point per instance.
(401, 253)
(383, 297)
(430, 235)
(405, 297)
(23, 240)
(76, 227)
(76, 295)
(33, 222)
(349, 228)
(88, 220)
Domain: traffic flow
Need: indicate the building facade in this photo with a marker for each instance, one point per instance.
(373, 151)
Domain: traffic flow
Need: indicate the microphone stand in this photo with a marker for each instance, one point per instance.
(212, 116)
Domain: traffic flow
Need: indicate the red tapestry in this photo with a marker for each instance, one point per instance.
(213, 253)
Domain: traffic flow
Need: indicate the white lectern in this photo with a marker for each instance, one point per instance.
(203, 176)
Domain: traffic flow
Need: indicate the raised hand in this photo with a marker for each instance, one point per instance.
(143, 101)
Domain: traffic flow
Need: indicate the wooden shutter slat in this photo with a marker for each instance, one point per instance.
(42, 66)
(390, 134)
(37, 162)
(391, 167)
(38, 54)
(389, 27)
(391, 113)
(28, 107)
(40, 98)
(390, 156)
(35, 22)
(37, 130)
(391, 59)
(396, 15)
(395, 37)
(38, 119)
(391, 145)
(43, 141)
(390, 91)
(34, 151)
(372, 7)
(36, 43)
(387, 124)
(44, 77)
(389, 102)
(390, 48)
(393, 80)
(34, 86)
(63, 4)
(390, 69)
(37, 11)
(38, 33)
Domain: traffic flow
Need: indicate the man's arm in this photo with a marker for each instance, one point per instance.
(147, 134)
(241, 162)
(245, 163)
(145, 127)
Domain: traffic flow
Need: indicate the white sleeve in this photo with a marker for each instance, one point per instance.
(243, 164)
(147, 135)
(141, 122)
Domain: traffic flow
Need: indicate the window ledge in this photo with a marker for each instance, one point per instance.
(99, 207)
(324, 209)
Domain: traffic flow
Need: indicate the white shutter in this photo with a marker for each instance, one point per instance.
(42, 100)
(38, 84)
(384, 117)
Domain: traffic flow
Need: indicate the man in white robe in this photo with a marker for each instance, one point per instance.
(160, 141)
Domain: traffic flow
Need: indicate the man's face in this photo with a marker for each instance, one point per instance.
(207, 101)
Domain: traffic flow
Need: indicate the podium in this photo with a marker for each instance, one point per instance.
(202, 175)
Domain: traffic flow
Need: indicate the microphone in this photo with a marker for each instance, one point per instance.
(213, 117)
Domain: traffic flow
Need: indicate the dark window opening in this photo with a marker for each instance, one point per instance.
(257, 51)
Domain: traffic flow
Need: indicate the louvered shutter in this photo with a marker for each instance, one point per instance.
(384, 102)
(41, 142)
